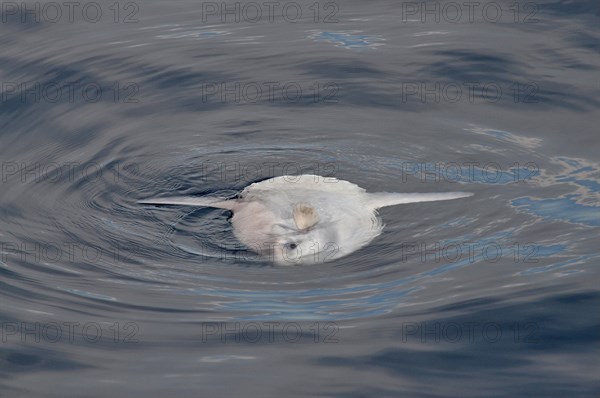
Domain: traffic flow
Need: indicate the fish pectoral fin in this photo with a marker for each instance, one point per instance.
(305, 216)
(382, 199)
(221, 203)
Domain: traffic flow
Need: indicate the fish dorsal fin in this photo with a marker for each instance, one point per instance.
(305, 216)
(381, 199)
(194, 201)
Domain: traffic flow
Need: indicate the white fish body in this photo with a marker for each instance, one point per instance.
(304, 219)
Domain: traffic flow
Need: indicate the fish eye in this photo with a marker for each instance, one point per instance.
(291, 246)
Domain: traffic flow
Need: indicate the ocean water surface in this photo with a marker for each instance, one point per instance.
(109, 103)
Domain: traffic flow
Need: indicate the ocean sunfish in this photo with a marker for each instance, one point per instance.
(305, 219)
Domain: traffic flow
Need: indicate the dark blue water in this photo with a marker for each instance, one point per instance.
(108, 103)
